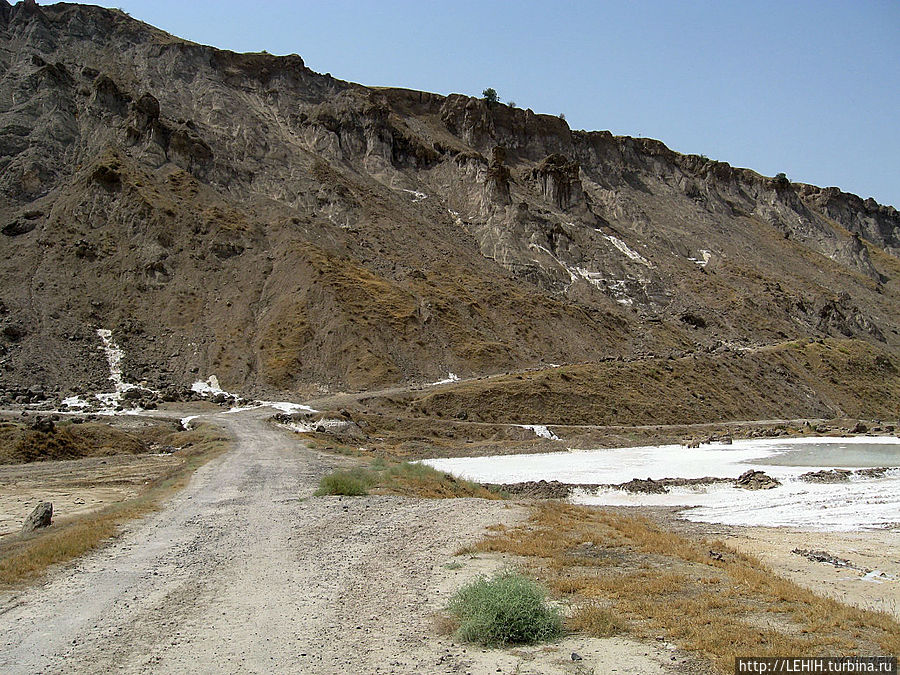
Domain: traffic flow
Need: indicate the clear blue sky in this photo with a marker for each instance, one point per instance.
(809, 87)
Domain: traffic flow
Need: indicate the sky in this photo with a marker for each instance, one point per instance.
(810, 88)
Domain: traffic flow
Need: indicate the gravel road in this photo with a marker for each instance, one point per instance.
(243, 571)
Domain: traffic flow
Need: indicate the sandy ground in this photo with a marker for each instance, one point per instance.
(875, 551)
(75, 487)
(243, 571)
(872, 550)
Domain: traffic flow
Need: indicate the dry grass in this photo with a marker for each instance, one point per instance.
(624, 573)
(23, 558)
(791, 380)
(20, 444)
(410, 480)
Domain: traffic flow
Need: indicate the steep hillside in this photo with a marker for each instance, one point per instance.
(239, 214)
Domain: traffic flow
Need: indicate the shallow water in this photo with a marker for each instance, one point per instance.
(861, 503)
(838, 454)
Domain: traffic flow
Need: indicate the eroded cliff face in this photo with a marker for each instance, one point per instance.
(239, 214)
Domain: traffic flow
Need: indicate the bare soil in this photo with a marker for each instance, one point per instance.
(773, 546)
(75, 487)
(876, 551)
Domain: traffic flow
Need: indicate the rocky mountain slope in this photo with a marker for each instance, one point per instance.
(239, 214)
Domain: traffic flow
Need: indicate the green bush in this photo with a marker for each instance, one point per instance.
(506, 609)
(490, 95)
(353, 483)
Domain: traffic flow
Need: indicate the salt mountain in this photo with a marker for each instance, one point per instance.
(239, 214)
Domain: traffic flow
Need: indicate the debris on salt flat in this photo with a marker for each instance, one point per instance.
(324, 424)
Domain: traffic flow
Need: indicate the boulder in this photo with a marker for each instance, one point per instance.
(756, 480)
(40, 517)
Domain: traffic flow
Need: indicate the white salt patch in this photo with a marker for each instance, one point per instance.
(451, 377)
(241, 408)
(703, 260)
(877, 576)
(417, 196)
(75, 402)
(860, 503)
(209, 387)
(185, 421)
(625, 249)
(540, 430)
(287, 407)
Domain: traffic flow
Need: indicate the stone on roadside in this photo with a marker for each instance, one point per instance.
(39, 518)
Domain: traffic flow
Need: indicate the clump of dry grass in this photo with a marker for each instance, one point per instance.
(25, 557)
(625, 573)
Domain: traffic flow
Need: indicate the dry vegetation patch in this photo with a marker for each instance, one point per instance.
(24, 557)
(803, 379)
(404, 478)
(23, 442)
(624, 573)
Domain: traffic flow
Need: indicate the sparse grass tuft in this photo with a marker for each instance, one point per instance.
(352, 483)
(594, 620)
(506, 609)
(422, 480)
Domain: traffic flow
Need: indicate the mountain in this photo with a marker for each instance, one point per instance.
(244, 216)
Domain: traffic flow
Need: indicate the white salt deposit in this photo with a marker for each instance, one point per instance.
(211, 387)
(75, 402)
(861, 503)
(185, 421)
(540, 430)
(287, 407)
(208, 387)
(704, 258)
(114, 354)
(451, 377)
(625, 249)
(417, 196)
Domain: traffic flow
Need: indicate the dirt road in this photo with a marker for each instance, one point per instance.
(244, 572)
